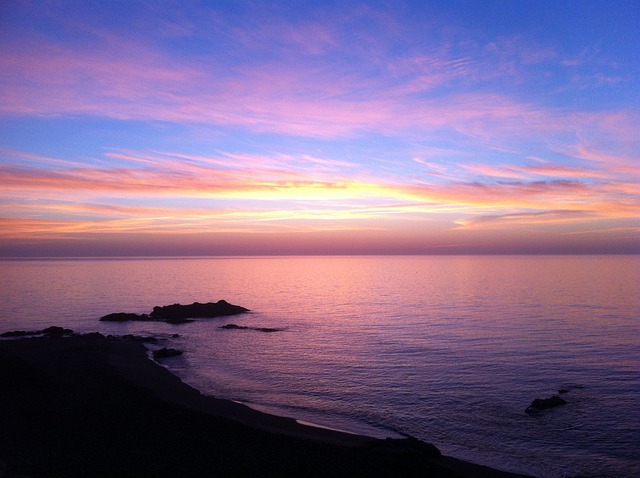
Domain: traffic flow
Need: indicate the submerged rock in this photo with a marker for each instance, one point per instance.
(568, 388)
(233, 327)
(166, 353)
(540, 404)
(244, 327)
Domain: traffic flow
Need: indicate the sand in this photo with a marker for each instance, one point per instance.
(92, 406)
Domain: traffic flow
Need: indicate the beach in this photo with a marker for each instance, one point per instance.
(88, 405)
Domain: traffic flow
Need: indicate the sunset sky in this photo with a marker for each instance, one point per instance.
(319, 127)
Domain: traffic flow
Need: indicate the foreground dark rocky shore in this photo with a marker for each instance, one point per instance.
(86, 405)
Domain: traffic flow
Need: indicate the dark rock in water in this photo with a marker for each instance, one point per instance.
(178, 321)
(139, 338)
(20, 333)
(53, 331)
(179, 314)
(124, 317)
(568, 388)
(244, 327)
(166, 353)
(94, 336)
(233, 327)
(196, 310)
(540, 404)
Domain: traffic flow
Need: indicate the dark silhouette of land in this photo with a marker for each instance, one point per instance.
(88, 405)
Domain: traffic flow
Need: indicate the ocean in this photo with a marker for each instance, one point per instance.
(449, 349)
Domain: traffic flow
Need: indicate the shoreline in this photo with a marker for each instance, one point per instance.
(87, 404)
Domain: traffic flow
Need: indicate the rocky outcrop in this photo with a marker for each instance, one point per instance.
(196, 310)
(179, 314)
(540, 404)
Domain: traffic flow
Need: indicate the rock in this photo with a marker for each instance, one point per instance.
(243, 327)
(178, 321)
(94, 336)
(20, 333)
(196, 310)
(166, 353)
(124, 317)
(55, 331)
(540, 404)
(139, 338)
(179, 314)
(568, 388)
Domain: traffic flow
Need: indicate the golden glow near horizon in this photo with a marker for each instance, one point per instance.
(244, 136)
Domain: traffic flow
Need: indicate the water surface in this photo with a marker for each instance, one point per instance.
(450, 349)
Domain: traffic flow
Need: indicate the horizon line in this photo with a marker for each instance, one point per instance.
(389, 254)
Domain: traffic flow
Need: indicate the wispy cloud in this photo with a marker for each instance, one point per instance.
(283, 92)
(525, 219)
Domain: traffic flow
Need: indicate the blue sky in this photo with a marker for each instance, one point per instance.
(319, 127)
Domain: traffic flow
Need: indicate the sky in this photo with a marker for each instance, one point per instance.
(319, 127)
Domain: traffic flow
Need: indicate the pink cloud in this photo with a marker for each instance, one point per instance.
(555, 170)
(546, 169)
(629, 164)
(135, 80)
(526, 219)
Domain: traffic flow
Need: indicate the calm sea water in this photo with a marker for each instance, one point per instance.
(448, 349)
